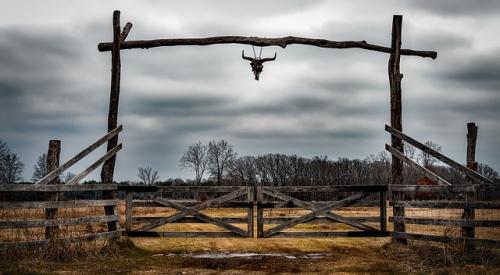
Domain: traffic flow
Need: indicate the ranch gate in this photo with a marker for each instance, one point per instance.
(47, 198)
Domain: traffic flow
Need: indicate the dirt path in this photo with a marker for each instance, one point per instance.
(282, 256)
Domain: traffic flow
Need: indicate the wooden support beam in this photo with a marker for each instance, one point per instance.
(108, 167)
(329, 234)
(180, 234)
(282, 42)
(470, 214)
(467, 171)
(76, 179)
(53, 156)
(125, 31)
(395, 77)
(445, 239)
(250, 220)
(55, 173)
(383, 211)
(415, 165)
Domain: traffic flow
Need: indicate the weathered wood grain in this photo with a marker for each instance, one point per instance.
(57, 204)
(447, 222)
(57, 222)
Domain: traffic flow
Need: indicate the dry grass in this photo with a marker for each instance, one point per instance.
(344, 255)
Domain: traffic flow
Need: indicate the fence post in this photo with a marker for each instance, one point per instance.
(396, 121)
(128, 211)
(260, 212)
(469, 213)
(53, 155)
(109, 166)
(383, 211)
(250, 199)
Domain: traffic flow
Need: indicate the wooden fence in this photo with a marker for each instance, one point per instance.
(436, 217)
(59, 197)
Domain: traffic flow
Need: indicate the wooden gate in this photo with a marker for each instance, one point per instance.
(188, 211)
(320, 212)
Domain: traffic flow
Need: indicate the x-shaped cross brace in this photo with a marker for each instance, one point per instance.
(195, 211)
(316, 211)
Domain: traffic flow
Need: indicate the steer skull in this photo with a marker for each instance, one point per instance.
(257, 63)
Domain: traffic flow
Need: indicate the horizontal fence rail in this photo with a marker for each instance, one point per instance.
(20, 214)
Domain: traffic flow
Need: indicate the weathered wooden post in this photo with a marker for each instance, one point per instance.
(383, 211)
(53, 155)
(396, 116)
(469, 213)
(109, 166)
(128, 211)
(260, 212)
(250, 199)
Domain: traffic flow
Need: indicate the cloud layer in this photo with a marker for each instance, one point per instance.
(54, 84)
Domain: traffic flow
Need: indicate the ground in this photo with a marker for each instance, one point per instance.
(282, 255)
(175, 256)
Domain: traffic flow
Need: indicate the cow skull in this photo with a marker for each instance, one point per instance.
(257, 63)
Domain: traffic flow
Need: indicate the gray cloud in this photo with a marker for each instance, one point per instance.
(311, 101)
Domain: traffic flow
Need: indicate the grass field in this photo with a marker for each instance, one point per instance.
(213, 255)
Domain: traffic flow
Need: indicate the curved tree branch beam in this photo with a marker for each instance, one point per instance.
(282, 42)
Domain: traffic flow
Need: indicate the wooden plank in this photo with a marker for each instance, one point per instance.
(469, 213)
(448, 204)
(446, 239)
(55, 187)
(57, 222)
(57, 204)
(415, 165)
(128, 211)
(473, 174)
(434, 188)
(198, 207)
(38, 243)
(313, 207)
(332, 188)
(212, 189)
(137, 188)
(52, 175)
(311, 215)
(147, 219)
(317, 234)
(226, 204)
(320, 220)
(290, 205)
(94, 165)
(181, 234)
(447, 222)
(259, 197)
(258, 41)
(201, 216)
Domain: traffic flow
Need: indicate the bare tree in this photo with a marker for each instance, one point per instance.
(11, 169)
(221, 155)
(147, 176)
(195, 157)
(427, 160)
(11, 166)
(487, 171)
(40, 168)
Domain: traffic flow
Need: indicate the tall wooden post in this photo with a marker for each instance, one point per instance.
(109, 166)
(53, 155)
(396, 116)
(469, 213)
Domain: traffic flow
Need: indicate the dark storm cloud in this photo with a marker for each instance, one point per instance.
(457, 7)
(481, 71)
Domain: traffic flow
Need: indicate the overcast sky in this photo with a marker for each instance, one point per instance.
(54, 84)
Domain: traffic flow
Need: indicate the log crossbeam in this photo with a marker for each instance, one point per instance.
(282, 42)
